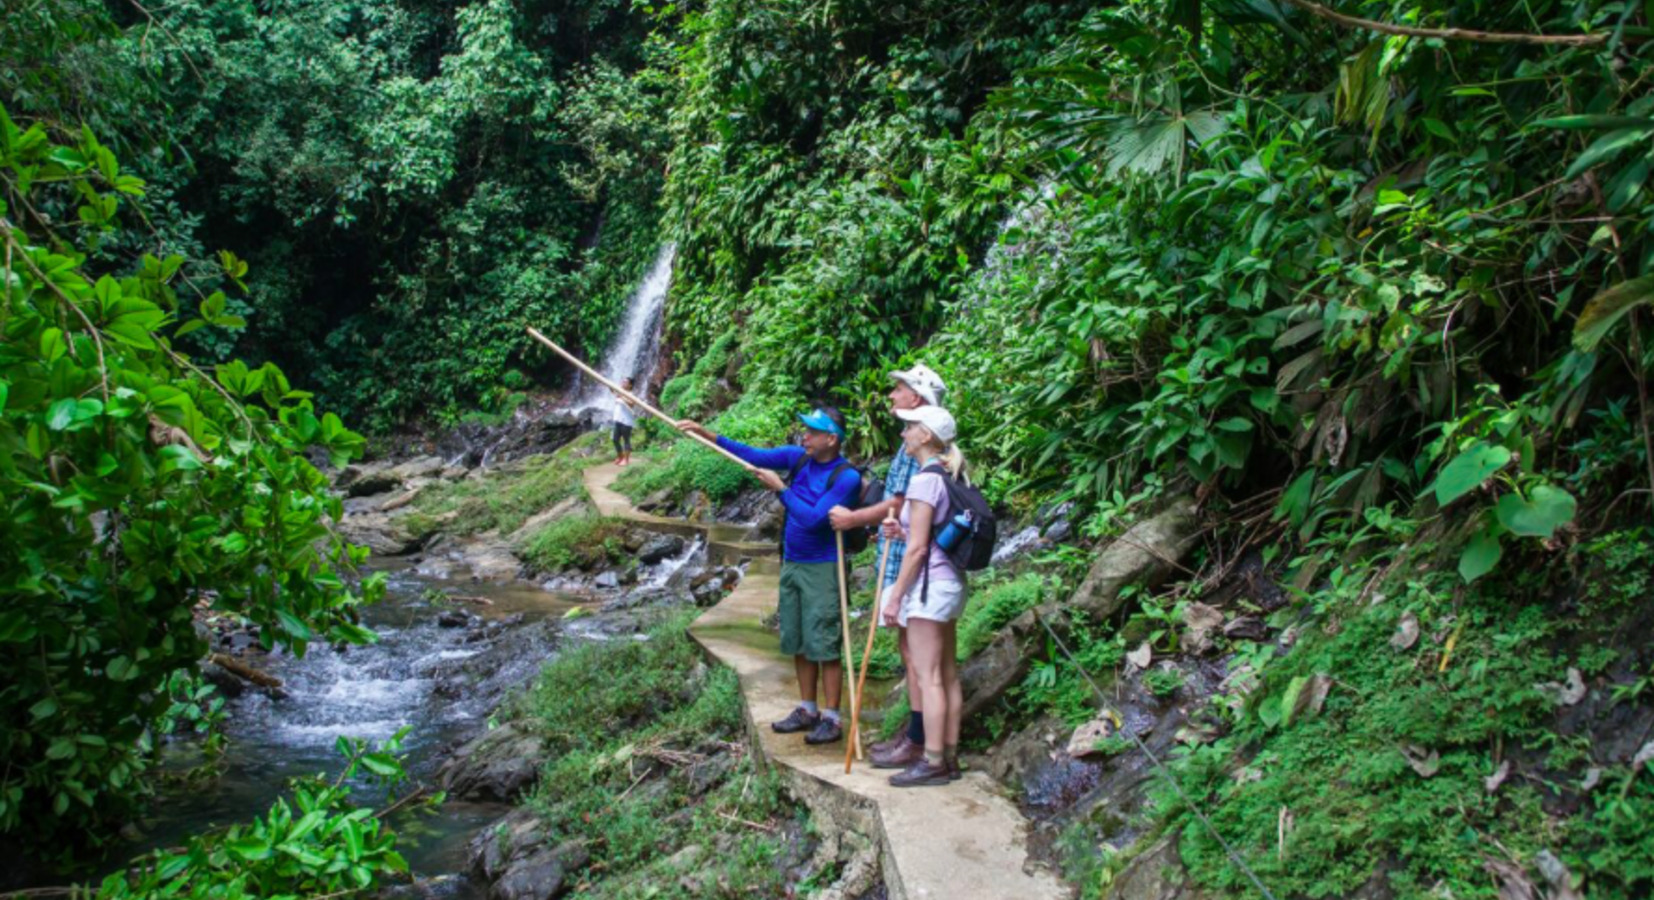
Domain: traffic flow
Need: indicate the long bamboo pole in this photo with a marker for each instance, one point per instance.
(710, 445)
(844, 629)
(867, 653)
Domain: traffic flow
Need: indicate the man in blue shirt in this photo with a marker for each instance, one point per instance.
(810, 623)
(913, 388)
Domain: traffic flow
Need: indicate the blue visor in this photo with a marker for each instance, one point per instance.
(820, 421)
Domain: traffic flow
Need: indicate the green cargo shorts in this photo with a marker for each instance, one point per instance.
(809, 611)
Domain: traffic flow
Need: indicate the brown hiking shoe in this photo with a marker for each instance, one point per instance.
(923, 773)
(905, 753)
(800, 720)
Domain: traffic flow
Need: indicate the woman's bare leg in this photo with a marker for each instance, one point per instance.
(950, 681)
(927, 642)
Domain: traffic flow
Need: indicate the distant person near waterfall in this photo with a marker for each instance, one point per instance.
(625, 419)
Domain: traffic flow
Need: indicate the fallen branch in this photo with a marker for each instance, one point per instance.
(1455, 34)
(767, 829)
(416, 794)
(245, 672)
(466, 598)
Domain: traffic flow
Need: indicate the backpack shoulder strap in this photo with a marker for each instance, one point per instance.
(839, 470)
(796, 467)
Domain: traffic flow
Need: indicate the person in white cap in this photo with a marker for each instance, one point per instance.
(929, 594)
(913, 388)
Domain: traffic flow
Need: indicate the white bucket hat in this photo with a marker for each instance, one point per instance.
(924, 382)
(938, 420)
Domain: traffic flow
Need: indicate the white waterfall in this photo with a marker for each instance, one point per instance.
(635, 349)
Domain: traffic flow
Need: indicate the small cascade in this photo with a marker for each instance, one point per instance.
(668, 568)
(1015, 237)
(635, 349)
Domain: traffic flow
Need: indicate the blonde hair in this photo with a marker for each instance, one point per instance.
(953, 458)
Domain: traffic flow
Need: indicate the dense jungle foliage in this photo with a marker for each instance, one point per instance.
(408, 182)
(1369, 277)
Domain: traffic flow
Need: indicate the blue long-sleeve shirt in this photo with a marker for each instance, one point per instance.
(808, 537)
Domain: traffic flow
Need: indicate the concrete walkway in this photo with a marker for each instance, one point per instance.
(965, 841)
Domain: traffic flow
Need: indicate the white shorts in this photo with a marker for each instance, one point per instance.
(945, 602)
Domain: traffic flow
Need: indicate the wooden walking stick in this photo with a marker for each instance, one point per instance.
(872, 629)
(844, 629)
(710, 445)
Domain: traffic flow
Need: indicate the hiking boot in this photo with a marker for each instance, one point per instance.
(905, 753)
(923, 773)
(825, 732)
(888, 744)
(954, 771)
(801, 719)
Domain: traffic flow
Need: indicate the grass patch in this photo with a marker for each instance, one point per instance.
(682, 466)
(650, 722)
(995, 605)
(585, 542)
(507, 496)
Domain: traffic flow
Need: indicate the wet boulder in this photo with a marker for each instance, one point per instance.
(369, 482)
(1156, 874)
(659, 547)
(379, 532)
(499, 765)
(710, 586)
(513, 857)
(1144, 556)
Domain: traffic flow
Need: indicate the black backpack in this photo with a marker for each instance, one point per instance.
(976, 550)
(870, 493)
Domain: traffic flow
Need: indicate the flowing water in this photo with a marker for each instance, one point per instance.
(371, 692)
(635, 350)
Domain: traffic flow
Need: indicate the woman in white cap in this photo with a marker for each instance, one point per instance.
(929, 594)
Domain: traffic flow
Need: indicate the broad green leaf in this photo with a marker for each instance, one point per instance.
(44, 709)
(1480, 555)
(61, 414)
(1604, 310)
(1289, 700)
(1576, 123)
(381, 764)
(248, 848)
(52, 345)
(1468, 470)
(121, 669)
(5, 393)
(177, 457)
(293, 625)
(1295, 500)
(1611, 145)
(130, 333)
(1545, 509)
(15, 628)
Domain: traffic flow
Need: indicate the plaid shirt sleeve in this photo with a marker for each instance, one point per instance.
(902, 470)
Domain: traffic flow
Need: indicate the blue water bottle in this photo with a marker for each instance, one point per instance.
(957, 529)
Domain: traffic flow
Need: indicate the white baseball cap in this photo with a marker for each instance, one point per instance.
(938, 420)
(926, 383)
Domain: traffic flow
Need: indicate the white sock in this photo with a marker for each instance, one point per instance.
(808, 706)
(831, 714)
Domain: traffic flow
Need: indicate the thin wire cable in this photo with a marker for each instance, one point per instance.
(1160, 767)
